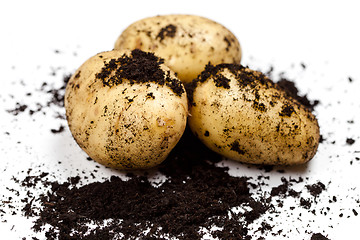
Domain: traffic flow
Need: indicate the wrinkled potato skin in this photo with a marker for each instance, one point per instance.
(250, 124)
(186, 42)
(121, 126)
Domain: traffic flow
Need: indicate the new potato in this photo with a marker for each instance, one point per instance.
(126, 110)
(186, 42)
(242, 115)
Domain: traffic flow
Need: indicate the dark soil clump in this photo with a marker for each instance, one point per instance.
(139, 67)
(291, 89)
(318, 236)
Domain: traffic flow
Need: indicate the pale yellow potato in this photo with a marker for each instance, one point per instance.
(126, 121)
(186, 42)
(244, 116)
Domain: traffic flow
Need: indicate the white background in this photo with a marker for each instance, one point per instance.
(323, 35)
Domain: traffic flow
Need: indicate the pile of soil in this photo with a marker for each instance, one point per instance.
(197, 198)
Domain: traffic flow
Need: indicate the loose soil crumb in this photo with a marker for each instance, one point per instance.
(350, 141)
(55, 98)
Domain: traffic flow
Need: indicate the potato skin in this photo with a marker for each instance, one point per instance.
(128, 125)
(244, 116)
(186, 42)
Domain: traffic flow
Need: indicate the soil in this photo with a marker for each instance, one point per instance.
(197, 197)
(139, 67)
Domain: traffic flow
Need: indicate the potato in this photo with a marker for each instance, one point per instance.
(242, 115)
(186, 42)
(126, 110)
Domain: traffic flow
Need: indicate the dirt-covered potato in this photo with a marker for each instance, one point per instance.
(126, 110)
(242, 115)
(186, 42)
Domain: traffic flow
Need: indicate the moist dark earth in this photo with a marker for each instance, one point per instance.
(196, 196)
